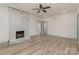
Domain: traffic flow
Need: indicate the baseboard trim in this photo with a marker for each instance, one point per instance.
(55, 36)
(62, 37)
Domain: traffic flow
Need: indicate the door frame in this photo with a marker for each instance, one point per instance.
(77, 26)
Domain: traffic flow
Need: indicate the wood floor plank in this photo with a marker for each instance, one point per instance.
(49, 45)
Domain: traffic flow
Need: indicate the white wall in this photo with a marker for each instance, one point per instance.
(64, 25)
(4, 24)
(33, 25)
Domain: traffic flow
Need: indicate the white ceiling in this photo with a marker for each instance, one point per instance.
(56, 8)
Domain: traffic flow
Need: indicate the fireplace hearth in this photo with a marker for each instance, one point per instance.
(19, 34)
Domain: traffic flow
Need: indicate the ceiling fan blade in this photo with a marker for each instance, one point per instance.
(46, 7)
(38, 11)
(44, 10)
(40, 6)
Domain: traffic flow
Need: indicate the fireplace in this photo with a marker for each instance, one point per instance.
(19, 34)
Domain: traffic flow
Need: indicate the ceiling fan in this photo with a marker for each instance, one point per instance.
(41, 8)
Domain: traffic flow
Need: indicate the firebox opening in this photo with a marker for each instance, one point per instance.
(19, 34)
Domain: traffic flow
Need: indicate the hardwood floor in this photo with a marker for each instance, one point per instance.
(43, 45)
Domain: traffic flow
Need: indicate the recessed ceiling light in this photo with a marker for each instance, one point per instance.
(64, 11)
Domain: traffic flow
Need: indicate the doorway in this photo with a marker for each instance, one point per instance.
(42, 27)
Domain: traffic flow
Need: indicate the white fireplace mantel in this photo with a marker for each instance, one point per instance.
(18, 22)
